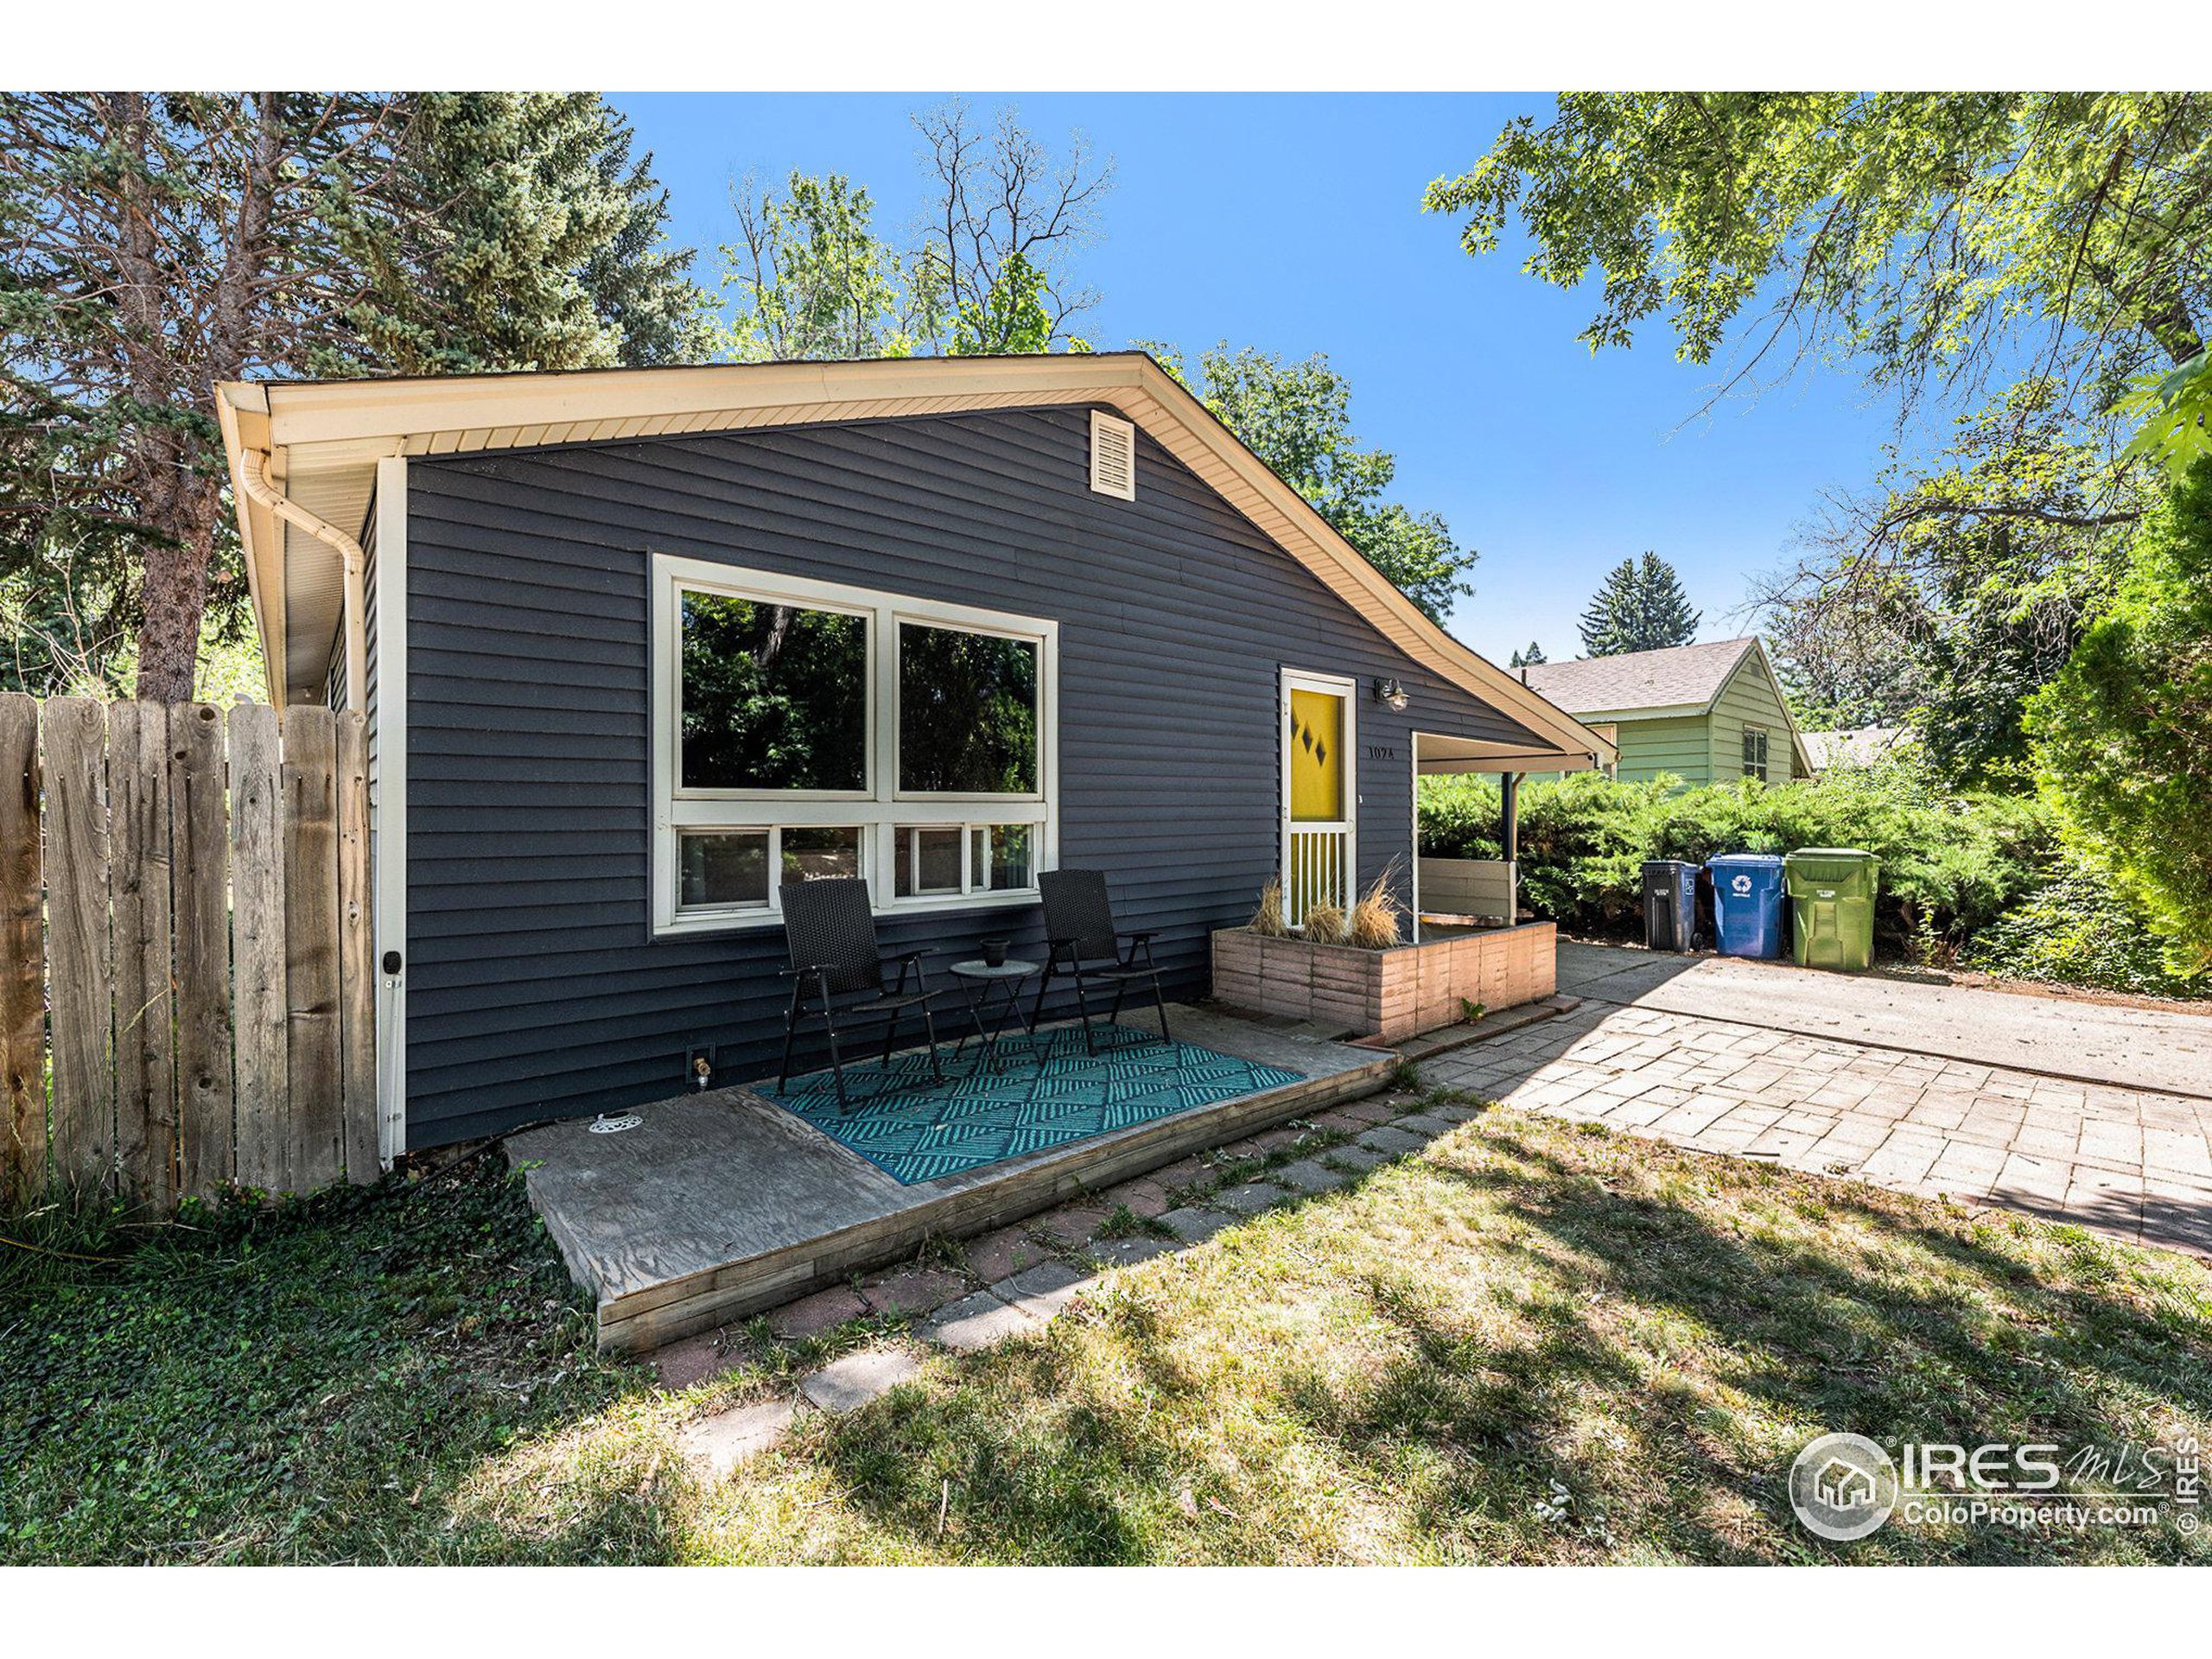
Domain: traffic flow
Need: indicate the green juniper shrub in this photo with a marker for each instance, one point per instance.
(2123, 735)
(2080, 929)
(1951, 864)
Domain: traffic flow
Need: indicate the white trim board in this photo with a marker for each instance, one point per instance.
(388, 808)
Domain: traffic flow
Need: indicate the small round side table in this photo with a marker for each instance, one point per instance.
(994, 1002)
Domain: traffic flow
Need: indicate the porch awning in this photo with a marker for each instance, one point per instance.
(1435, 753)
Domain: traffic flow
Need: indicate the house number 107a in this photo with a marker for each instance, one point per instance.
(1381, 752)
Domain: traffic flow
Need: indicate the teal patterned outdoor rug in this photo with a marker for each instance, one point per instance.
(1046, 1093)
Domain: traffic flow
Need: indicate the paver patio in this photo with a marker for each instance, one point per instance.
(2136, 1163)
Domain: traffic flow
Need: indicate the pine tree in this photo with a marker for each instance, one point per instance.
(1641, 608)
(150, 245)
(518, 233)
(153, 245)
(1530, 658)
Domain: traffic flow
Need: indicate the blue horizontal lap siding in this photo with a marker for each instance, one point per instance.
(533, 989)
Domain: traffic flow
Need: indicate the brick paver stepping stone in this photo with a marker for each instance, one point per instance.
(913, 1291)
(1427, 1125)
(693, 1360)
(811, 1315)
(1141, 1198)
(1007, 1250)
(1248, 1198)
(1072, 1224)
(1311, 1175)
(1192, 1224)
(976, 1322)
(1042, 1292)
(1391, 1143)
(1128, 1252)
(721, 1443)
(849, 1384)
(1356, 1156)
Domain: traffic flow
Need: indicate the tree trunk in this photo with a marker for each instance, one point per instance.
(175, 599)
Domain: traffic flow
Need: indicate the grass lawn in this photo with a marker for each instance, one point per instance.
(1531, 1344)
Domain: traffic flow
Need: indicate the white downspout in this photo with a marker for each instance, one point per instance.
(253, 479)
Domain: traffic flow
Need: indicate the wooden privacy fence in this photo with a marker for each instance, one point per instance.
(186, 992)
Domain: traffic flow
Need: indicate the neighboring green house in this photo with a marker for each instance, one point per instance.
(1704, 713)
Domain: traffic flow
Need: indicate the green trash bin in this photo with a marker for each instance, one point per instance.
(1832, 906)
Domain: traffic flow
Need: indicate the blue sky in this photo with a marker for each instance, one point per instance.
(1293, 224)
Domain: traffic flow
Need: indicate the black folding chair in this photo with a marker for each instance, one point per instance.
(1079, 923)
(830, 928)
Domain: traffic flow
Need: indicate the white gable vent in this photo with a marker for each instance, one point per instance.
(1113, 456)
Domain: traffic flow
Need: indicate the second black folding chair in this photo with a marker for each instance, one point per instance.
(1085, 944)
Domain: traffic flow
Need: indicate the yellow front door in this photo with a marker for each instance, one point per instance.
(1317, 756)
(1318, 796)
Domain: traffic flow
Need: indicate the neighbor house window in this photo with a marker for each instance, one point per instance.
(803, 729)
(1755, 754)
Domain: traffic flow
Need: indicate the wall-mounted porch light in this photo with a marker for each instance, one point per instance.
(1392, 695)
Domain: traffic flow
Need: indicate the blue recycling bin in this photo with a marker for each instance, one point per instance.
(1747, 894)
(1670, 904)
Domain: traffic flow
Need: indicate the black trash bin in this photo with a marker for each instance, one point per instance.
(1670, 904)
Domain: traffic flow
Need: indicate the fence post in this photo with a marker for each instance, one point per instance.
(145, 1003)
(258, 1010)
(22, 955)
(315, 1129)
(81, 990)
(199, 850)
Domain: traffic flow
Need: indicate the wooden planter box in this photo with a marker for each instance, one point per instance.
(1393, 994)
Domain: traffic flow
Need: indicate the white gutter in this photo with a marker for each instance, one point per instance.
(253, 481)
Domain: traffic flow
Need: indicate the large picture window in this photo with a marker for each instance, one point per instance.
(774, 696)
(804, 729)
(967, 712)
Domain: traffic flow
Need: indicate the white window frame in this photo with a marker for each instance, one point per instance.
(1335, 685)
(1765, 750)
(882, 807)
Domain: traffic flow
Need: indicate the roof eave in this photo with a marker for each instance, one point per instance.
(355, 421)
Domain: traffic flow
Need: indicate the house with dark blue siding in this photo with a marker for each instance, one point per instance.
(637, 648)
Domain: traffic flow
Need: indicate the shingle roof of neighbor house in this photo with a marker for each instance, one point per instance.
(1684, 679)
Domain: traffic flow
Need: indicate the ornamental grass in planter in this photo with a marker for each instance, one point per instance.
(1324, 924)
(1357, 974)
(1373, 923)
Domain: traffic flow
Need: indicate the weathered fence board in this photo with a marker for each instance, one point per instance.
(185, 918)
(257, 945)
(23, 954)
(146, 1009)
(311, 945)
(80, 992)
(199, 862)
(356, 952)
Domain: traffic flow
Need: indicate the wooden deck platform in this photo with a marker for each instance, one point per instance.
(720, 1205)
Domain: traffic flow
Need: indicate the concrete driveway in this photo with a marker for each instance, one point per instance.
(2086, 1042)
(2097, 1115)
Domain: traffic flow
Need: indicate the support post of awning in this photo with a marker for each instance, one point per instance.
(1508, 840)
